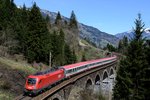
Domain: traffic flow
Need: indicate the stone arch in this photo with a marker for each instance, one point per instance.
(88, 84)
(112, 74)
(97, 80)
(105, 74)
(111, 71)
(55, 99)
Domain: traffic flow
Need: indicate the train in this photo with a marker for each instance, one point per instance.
(42, 80)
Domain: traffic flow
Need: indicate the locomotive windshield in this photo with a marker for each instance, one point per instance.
(31, 81)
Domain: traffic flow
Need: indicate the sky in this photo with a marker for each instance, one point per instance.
(110, 16)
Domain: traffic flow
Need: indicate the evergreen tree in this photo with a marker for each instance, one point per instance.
(59, 48)
(58, 44)
(58, 19)
(1, 10)
(37, 38)
(70, 56)
(120, 46)
(62, 46)
(7, 20)
(48, 22)
(123, 44)
(47, 19)
(73, 20)
(83, 57)
(74, 58)
(22, 28)
(54, 49)
(110, 47)
(146, 80)
(129, 85)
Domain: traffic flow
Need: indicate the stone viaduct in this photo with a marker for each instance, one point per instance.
(101, 80)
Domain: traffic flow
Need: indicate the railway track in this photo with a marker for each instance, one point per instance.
(62, 84)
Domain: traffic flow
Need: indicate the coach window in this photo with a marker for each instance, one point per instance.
(67, 71)
(82, 67)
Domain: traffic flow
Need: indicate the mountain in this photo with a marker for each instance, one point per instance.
(130, 34)
(96, 36)
(87, 32)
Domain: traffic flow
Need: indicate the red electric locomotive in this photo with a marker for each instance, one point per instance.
(42, 80)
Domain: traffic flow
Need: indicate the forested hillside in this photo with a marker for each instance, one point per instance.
(24, 31)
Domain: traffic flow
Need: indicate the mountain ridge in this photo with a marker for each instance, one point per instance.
(130, 34)
(99, 38)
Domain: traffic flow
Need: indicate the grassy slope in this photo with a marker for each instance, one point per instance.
(89, 51)
(12, 77)
(22, 66)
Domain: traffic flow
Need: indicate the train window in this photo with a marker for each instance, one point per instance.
(31, 81)
(79, 68)
(67, 72)
(70, 71)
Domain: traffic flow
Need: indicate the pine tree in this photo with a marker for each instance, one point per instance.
(120, 46)
(73, 20)
(111, 47)
(1, 10)
(58, 19)
(58, 43)
(70, 56)
(54, 49)
(83, 57)
(123, 44)
(37, 37)
(22, 28)
(146, 79)
(74, 58)
(47, 19)
(129, 85)
(62, 46)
